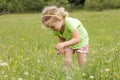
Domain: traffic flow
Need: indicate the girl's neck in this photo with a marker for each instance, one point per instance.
(62, 28)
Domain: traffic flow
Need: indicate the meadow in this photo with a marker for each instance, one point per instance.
(27, 48)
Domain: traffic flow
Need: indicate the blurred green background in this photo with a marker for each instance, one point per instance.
(13, 6)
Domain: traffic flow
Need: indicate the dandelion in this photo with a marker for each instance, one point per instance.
(12, 46)
(50, 51)
(91, 77)
(27, 58)
(22, 39)
(22, 50)
(101, 76)
(21, 56)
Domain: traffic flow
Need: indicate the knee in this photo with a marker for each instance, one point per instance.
(67, 61)
(82, 61)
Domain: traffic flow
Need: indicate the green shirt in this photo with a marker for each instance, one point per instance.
(72, 24)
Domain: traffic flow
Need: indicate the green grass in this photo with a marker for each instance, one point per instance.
(27, 50)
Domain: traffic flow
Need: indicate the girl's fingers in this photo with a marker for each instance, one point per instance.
(59, 51)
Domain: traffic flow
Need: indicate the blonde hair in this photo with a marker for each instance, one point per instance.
(53, 12)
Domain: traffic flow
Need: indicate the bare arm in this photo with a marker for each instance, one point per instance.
(75, 38)
(60, 39)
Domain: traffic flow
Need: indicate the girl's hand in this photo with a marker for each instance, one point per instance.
(60, 47)
(59, 52)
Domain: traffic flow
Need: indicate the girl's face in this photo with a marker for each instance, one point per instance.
(55, 25)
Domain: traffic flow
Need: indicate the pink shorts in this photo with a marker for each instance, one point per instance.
(80, 50)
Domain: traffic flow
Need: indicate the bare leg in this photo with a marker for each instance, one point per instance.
(82, 58)
(67, 58)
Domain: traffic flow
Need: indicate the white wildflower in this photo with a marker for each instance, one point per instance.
(101, 70)
(91, 77)
(68, 78)
(3, 64)
(108, 61)
(5, 76)
(13, 78)
(20, 78)
(2, 72)
(38, 60)
(83, 74)
(26, 73)
(107, 69)
(41, 78)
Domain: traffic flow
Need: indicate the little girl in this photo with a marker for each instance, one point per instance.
(72, 36)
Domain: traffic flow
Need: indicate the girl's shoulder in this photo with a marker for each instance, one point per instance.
(72, 23)
(71, 20)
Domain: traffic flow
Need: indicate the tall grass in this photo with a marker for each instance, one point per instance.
(27, 50)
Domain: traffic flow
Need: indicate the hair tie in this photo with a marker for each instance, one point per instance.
(51, 16)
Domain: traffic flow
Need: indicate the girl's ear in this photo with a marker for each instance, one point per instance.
(59, 19)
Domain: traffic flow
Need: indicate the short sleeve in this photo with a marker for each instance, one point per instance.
(72, 24)
(73, 27)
